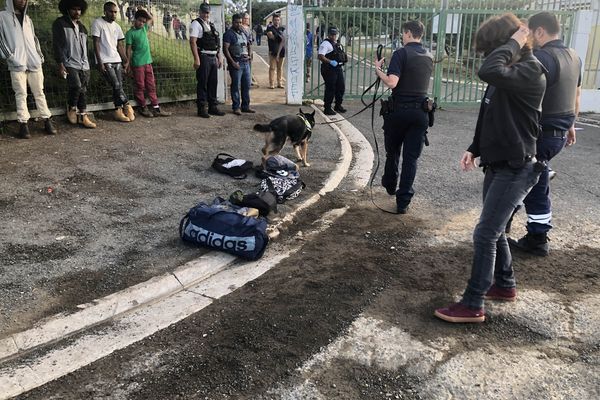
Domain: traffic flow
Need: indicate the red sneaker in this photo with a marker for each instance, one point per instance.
(502, 294)
(459, 313)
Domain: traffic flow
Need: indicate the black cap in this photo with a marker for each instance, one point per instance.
(204, 7)
(332, 30)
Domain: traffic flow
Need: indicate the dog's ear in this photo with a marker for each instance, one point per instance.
(312, 114)
(301, 112)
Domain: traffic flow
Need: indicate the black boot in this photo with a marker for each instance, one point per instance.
(329, 111)
(339, 108)
(24, 131)
(203, 110)
(49, 127)
(214, 110)
(535, 244)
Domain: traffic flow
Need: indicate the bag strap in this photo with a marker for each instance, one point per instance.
(226, 155)
(183, 221)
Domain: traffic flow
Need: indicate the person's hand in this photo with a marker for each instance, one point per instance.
(126, 65)
(333, 63)
(521, 35)
(571, 136)
(236, 65)
(467, 162)
(219, 62)
(102, 68)
(379, 63)
(62, 71)
(197, 64)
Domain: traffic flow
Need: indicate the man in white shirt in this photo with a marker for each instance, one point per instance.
(111, 58)
(205, 45)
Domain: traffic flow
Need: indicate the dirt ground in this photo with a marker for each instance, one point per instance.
(90, 212)
(273, 338)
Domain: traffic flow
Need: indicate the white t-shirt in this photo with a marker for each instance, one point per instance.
(196, 29)
(325, 47)
(109, 33)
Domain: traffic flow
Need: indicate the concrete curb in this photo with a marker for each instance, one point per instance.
(61, 326)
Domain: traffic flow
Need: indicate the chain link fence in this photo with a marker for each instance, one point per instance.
(172, 58)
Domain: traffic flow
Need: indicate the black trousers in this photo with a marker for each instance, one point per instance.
(404, 133)
(335, 85)
(206, 75)
(77, 81)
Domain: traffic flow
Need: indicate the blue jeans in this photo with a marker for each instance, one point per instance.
(537, 203)
(503, 189)
(241, 79)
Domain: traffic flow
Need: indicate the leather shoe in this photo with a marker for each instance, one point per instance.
(237, 111)
(49, 127)
(249, 111)
(215, 111)
(329, 111)
(459, 313)
(340, 109)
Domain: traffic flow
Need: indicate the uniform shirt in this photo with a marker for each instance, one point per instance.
(109, 33)
(196, 29)
(563, 122)
(274, 43)
(325, 47)
(138, 40)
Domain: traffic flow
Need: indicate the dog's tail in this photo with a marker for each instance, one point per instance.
(262, 127)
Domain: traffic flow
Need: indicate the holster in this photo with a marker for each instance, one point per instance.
(387, 106)
(429, 106)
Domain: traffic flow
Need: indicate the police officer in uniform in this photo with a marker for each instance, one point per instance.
(205, 45)
(559, 110)
(333, 58)
(406, 123)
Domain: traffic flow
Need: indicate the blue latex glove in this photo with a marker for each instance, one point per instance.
(333, 63)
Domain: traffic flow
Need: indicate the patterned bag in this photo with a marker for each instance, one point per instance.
(283, 187)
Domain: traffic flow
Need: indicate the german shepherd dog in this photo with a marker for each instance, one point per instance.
(298, 128)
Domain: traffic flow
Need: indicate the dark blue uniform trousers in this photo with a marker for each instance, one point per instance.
(403, 130)
(335, 84)
(537, 203)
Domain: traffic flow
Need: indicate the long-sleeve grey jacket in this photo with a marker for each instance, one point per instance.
(18, 44)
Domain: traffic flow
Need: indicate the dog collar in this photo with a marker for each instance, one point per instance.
(308, 126)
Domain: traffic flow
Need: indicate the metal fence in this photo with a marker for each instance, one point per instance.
(172, 59)
(450, 27)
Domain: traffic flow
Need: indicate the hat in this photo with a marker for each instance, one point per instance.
(204, 7)
(332, 30)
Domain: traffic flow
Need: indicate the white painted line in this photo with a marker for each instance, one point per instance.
(132, 327)
(98, 311)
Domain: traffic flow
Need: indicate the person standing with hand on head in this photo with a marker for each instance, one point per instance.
(21, 49)
(111, 58)
(138, 51)
(505, 142)
(69, 39)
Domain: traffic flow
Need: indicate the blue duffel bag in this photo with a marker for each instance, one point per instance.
(225, 230)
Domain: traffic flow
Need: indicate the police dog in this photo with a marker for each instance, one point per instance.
(298, 128)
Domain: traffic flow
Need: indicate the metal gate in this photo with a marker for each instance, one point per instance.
(449, 35)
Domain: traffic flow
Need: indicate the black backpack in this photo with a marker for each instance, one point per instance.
(229, 165)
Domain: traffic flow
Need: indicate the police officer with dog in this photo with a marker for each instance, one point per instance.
(559, 110)
(205, 46)
(333, 58)
(406, 115)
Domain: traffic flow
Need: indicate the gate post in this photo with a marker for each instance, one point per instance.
(440, 49)
(294, 50)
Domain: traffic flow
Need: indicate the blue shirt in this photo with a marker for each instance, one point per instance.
(309, 44)
(563, 122)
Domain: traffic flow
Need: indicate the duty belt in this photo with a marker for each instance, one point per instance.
(510, 164)
(407, 106)
(553, 133)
